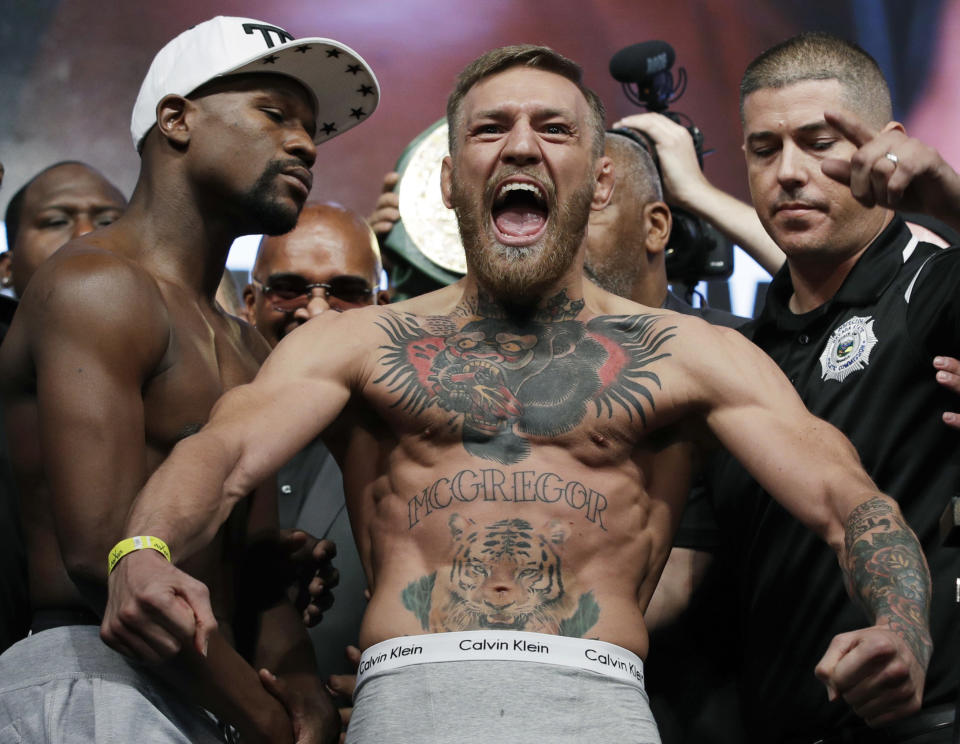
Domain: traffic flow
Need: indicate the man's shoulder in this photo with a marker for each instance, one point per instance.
(86, 289)
(87, 268)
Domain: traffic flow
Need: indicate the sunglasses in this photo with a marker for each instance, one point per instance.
(289, 292)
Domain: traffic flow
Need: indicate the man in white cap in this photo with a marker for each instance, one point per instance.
(118, 351)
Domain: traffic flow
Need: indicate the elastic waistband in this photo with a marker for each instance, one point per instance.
(494, 645)
(47, 619)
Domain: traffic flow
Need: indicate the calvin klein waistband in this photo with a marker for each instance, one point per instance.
(494, 645)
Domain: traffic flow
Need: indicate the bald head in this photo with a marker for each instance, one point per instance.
(625, 239)
(59, 204)
(329, 245)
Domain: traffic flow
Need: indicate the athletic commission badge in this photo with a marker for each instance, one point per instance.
(848, 349)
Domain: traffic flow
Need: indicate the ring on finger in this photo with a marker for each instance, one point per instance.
(892, 158)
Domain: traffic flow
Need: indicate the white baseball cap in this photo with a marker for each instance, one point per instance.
(344, 88)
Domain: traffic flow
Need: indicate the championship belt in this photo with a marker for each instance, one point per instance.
(426, 237)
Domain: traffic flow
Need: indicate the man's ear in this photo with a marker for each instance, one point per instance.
(446, 184)
(249, 300)
(172, 119)
(606, 180)
(6, 275)
(894, 126)
(658, 221)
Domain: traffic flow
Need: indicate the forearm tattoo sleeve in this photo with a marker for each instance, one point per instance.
(885, 570)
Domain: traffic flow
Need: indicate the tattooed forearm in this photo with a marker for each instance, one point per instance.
(886, 570)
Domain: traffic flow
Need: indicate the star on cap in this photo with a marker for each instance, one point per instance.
(365, 90)
(329, 127)
(333, 52)
(271, 59)
(358, 113)
(303, 48)
(353, 69)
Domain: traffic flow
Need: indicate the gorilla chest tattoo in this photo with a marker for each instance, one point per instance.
(505, 381)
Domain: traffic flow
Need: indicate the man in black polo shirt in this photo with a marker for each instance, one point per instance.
(854, 319)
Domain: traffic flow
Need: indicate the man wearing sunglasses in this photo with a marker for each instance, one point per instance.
(329, 261)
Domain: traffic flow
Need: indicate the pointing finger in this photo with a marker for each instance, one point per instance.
(850, 127)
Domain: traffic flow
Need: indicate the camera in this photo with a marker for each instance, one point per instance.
(696, 250)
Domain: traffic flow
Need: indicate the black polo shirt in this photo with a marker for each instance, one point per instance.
(862, 361)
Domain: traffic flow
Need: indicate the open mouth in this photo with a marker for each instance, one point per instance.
(519, 212)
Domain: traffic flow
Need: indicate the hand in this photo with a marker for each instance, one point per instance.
(154, 609)
(341, 687)
(386, 213)
(312, 715)
(920, 180)
(948, 375)
(314, 575)
(875, 671)
(680, 171)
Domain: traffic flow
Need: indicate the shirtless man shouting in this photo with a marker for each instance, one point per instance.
(516, 452)
(118, 351)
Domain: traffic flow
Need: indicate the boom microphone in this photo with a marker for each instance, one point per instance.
(640, 62)
(696, 249)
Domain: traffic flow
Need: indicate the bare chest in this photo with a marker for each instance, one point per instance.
(499, 391)
(206, 357)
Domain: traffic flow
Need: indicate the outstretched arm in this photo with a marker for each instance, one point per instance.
(685, 185)
(253, 430)
(814, 472)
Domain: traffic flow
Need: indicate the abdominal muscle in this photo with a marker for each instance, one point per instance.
(549, 547)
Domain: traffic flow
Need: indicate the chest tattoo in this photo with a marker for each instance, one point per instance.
(505, 381)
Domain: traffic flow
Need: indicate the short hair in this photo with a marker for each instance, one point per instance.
(822, 56)
(524, 55)
(634, 166)
(11, 218)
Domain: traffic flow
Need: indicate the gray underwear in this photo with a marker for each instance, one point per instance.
(503, 701)
(64, 685)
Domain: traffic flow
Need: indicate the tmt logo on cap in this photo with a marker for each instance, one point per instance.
(343, 86)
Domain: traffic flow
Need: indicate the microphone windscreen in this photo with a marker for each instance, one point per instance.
(641, 61)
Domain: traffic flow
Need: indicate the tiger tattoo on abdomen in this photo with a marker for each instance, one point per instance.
(504, 576)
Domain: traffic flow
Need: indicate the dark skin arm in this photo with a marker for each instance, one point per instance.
(283, 650)
(92, 359)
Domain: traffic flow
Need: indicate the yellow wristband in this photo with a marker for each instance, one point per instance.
(131, 544)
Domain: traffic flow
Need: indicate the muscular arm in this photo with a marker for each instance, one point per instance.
(283, 646)
(92, 359)
(813, 471)
(253, 430)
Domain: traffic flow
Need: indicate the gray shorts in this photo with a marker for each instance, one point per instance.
(64, 685)
(503, 701)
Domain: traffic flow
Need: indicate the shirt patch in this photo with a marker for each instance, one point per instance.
(848, 349)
